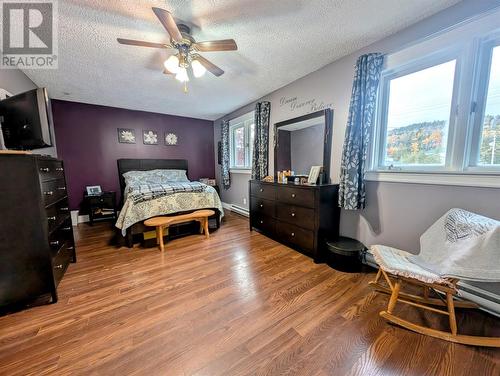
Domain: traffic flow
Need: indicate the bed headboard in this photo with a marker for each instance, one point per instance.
(125, 165)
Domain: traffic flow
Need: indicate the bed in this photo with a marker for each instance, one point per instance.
(174, 194)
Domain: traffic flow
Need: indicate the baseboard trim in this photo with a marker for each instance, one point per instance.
(76, 218)
(236, 209)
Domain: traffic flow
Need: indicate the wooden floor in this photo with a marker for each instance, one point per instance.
(235, 304)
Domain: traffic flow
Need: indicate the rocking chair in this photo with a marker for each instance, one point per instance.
(395, 268)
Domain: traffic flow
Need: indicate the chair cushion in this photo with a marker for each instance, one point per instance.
(395, 261)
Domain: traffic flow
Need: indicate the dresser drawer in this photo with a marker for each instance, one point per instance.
(264, 223)
(57, 214)
(304, 239)
(266, 191)
(296, 196)
(60, 236)
(262, 206)
(53, 191)
(296, 215)
(50, 169)
(61, 261)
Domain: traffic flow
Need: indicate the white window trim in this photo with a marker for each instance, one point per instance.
(459, 170)
(478, 105)
(240, 170)
(483, 180)
(383, 106)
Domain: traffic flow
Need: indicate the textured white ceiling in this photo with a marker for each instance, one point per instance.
(279, 41)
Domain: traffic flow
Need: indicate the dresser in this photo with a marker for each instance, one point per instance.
(36, 236)
(300, 216)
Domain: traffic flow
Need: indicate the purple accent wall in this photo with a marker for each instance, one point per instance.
(87, 141)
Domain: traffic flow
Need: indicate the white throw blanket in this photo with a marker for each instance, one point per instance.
(461, 245)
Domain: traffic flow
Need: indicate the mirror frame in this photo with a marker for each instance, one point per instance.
(327, 139)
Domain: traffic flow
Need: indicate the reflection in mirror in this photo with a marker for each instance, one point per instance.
(300, 146)
(303, 142)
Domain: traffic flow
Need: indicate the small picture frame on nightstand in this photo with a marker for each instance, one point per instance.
(93, 190)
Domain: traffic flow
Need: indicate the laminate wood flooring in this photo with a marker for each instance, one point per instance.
(238, 303)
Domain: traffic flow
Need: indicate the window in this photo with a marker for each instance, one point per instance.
(488, 154)
(439, 109)
(241, 131)
(418, 113)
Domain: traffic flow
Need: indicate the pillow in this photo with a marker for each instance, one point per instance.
(155, 176)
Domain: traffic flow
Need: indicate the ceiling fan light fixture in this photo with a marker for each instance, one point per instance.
(198, 69)
(182, 75)
(172, 64)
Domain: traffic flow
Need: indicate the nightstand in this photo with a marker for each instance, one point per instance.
(101, 207)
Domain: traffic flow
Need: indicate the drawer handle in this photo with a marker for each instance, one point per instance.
(262, 189)
(53, 218)
(44, 169)
(64, 209)
(66, 228)
(59, 169)
(61, 188)
(54, 242)
(293, 234)
(48, 193)
(261, 205)
(293, 195)
(60, 266)
(293, 214)
(261, 222)
(71, 248)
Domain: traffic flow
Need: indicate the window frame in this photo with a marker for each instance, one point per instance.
(413, 66)
(245, 121)
(482, 70)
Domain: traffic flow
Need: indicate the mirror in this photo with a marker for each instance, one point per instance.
(303, 142)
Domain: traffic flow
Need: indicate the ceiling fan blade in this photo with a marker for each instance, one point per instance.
(217, 45)
(168, 23)
(132, 42)
(211, 67)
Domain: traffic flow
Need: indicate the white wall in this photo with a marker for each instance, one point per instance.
(15, 82)
(397, 213)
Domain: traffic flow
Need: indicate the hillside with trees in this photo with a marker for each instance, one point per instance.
(425, 143)
(419, 143)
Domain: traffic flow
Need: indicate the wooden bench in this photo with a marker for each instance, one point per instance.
(162, 223)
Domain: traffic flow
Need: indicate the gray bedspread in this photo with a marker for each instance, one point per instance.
(133, 212)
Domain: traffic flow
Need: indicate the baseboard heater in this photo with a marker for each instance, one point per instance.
(240, 210)
(487, 300)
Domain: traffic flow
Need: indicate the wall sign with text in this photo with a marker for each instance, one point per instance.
(308, 105)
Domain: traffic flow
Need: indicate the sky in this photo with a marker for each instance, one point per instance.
(493, 101)
(426, 95)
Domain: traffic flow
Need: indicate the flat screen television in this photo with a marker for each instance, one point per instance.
(26, 120)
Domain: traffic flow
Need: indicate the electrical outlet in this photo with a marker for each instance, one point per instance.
(244, 200)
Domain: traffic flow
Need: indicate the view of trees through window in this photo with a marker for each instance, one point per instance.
(418, 113)
(489, 151)
(242, 135)
(239, 147)
(420, 143)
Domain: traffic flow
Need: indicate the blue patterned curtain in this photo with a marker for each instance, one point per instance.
(261, 141)
(226, 177)
(359, 129)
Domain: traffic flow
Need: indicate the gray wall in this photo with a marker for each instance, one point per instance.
(397, 213)
(15, 82)
(306, 148)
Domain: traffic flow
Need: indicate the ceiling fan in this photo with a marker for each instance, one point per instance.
(187, 54)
